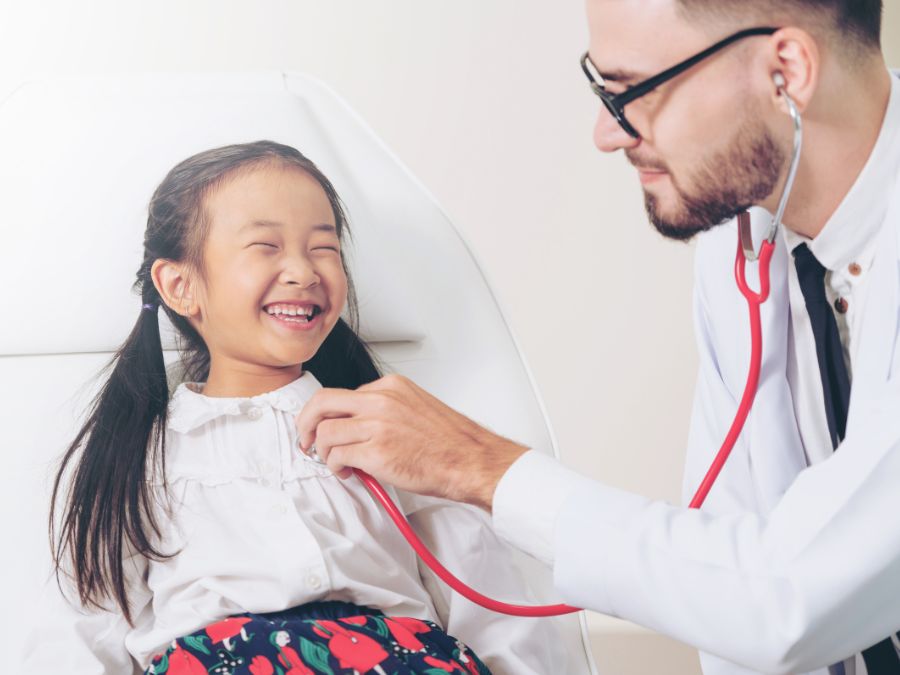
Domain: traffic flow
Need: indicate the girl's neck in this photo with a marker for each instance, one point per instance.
(242, 380)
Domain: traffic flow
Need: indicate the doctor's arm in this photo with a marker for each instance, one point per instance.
(814, 582)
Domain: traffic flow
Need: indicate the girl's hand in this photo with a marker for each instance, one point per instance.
(402, 435)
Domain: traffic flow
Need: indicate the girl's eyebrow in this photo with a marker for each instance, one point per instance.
(321, 227)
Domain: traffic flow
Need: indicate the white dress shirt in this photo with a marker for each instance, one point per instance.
(259, 527)
(846, 248)
(784, 570)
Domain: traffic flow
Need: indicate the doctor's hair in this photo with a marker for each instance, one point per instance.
(109, 470)
(856, 24)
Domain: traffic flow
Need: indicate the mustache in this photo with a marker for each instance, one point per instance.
(645, 163)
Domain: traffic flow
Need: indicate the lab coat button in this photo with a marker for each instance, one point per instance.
(254, 413)
(313, 581)
(841, 305)
(855, 269)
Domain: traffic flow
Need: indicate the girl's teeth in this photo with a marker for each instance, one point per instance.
(290, 311)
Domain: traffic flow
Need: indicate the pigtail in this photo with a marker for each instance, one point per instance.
(343, 360)
(108, 512)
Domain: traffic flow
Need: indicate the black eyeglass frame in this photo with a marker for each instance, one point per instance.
(615, 103)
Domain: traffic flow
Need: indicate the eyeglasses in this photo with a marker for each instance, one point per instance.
(616, 103)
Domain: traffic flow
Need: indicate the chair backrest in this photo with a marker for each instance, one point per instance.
(79, 159)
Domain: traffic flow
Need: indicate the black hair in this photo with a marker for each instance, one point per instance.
(107, 513)
(858, 20)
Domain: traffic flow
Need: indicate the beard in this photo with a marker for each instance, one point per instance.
(725, 185)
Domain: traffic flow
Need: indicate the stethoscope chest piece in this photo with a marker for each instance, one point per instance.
(311, 455)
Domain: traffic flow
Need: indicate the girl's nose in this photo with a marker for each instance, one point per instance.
(299, 271)
(609, 135)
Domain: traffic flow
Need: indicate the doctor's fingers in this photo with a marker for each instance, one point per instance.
(329, 404)
(387, 467)
(340, 431)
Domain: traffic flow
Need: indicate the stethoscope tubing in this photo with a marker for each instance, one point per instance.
(755, 299)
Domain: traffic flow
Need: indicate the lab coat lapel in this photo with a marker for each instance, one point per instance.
(776, 451)
(876, 353)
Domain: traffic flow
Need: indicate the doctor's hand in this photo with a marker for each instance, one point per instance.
(404, 436)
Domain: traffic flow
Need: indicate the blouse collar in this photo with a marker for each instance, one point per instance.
(189, 408)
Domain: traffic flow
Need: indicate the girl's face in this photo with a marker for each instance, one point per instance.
(274, 283)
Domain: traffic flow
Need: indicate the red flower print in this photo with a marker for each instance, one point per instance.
(291, 660)
(260, 665)
(226, 628)
(404, 628)
(355, 620)
(353, 650)
(182, 662)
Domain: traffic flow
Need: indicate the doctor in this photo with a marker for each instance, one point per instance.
(794, 562)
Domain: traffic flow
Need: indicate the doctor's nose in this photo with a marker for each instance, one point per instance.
(609, 135)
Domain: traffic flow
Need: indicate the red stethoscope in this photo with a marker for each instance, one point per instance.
(745, 253)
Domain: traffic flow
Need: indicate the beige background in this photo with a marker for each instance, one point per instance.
(484, 100)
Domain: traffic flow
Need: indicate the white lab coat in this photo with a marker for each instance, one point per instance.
(787, 569)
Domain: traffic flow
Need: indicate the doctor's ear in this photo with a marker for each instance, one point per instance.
(794, 63)
(175, 286)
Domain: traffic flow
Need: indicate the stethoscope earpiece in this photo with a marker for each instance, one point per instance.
(744, 224)
(780, 82)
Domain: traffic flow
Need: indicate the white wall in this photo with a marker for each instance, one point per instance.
(484, 100)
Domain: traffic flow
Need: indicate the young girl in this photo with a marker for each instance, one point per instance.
(193, 536)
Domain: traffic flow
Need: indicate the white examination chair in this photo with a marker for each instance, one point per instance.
(79, 159)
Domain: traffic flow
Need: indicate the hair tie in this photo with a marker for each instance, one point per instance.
(150, 306)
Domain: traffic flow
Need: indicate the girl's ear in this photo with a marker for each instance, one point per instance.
(174, 286)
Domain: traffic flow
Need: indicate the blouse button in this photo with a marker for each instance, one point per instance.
(254, 413)
(313, 581)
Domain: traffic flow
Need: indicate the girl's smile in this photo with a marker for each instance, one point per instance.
(294, 315)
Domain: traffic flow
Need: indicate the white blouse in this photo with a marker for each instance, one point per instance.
(259, 527)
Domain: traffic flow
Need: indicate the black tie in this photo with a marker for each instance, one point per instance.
(881, 659)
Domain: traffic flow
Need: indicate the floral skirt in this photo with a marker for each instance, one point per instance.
(320, 638)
